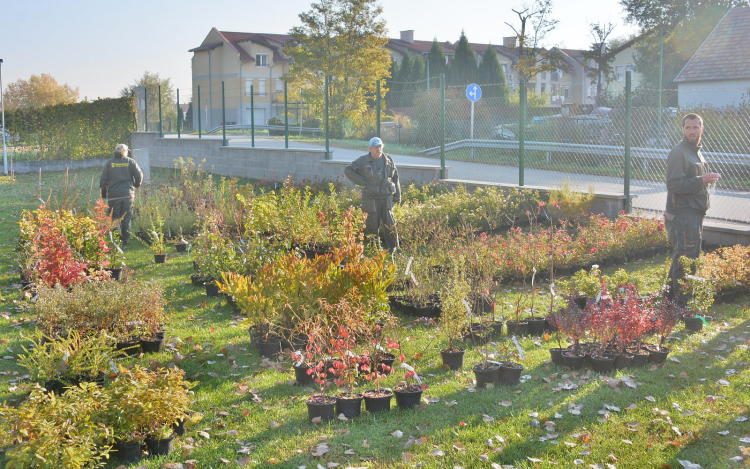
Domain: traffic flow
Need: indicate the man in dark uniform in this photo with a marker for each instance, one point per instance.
(120, 177)
(378, 175)
(687, 199)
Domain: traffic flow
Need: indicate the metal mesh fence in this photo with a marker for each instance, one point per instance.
(584, 145)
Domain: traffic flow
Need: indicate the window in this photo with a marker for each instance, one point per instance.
(248, 85)
(261, 60)
(620, 72)
(279, 86)
(261, 87)
(561, 73)
(567, 92)
(544, 75)
(505, 69)
(544, 88)
(554, 76)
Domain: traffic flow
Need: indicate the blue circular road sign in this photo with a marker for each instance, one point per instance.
(473, 92)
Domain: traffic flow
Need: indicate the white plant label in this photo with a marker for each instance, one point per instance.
(533, 276)
(408, 266)
(414, 279)
(65, 357)
(42, 201)
(519, 348)
(409, 368)
(468, 308)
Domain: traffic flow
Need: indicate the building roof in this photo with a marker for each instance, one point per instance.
(272, 41)
(419, 47)
(724, 54)
(480, 49)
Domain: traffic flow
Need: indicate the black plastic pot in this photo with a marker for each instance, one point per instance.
(549, 326)
(517, 328)
(128, 452)
(181, 247)
(478, 334)
(300, 374)
(510, 373)
(486, 375)
(115, 274)
(374, 402)
(212, 289)
(608, 262)
(650, 252)
(131, 348)
(386, 361)
(160, 258)
(159, 447)
(693, 324)
(269, 348)
(56, 386)
(535, 327)
(623, 360)
(639, 359)
(179, 427)
(197, 280)
(562, 271)
(155, 345)
(603, 363)
(573, 361)
(658, 356)
(453, 359)
(348, 405)
(497, 328)
(556, 355)
(323, 407)
(408, 398)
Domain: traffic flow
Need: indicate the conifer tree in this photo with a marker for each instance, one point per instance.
(491, 76)
(463, 70)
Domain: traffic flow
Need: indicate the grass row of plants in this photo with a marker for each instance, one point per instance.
(280, 252)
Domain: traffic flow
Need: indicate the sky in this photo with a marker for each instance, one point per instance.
(101, 46)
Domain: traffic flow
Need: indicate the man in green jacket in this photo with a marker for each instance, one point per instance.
(688, 182)
(378, 176)
(120, 177)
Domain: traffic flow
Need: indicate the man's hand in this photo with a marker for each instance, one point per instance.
(710, 178)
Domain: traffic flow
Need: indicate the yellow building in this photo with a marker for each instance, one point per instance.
(239, 60)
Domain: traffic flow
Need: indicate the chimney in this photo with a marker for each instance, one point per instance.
(408, 36)
(509, 41)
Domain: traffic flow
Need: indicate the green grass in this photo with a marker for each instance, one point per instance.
(272, 418)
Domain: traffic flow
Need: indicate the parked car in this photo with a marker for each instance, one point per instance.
(503, 132)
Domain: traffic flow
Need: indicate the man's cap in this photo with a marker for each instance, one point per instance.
(375, 142)
(122, 146)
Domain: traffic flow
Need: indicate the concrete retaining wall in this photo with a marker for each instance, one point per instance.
(258, 163)
(55, 165)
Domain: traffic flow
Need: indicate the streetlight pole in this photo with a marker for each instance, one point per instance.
(2, 105)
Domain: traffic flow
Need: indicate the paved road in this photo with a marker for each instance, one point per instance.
(726, 204)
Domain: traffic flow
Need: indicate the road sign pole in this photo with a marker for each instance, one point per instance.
(471, 131)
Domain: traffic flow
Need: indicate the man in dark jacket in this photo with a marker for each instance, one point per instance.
(120, 177)
(688, 182)
(378, 175)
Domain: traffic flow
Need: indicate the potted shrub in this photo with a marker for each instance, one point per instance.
(158, 245)
(700, 293)
(665, 319)
(510, 370)
(169, 398)
(453, 320)
(181, 244)
(50, 432)
(379, 399)
(486, 372)
(409, 391)
(345, 371)
(66, 361)
(320, 406)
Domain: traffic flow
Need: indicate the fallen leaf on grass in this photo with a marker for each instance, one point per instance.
(506, 403)
(205, 435)
(437, 452)
(398, 434)
(689, 465)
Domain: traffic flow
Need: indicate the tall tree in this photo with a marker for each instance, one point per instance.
(189, 117)
(151, 81)
(491, 76)
(436, 59)
(343, 39)
(463, 69)
(417, 69)
(667, 14)
(38, 91)
(536, 23)
(601, 53)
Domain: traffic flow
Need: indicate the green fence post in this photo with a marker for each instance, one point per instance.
(252, 117)
(161, 126)
(328, 149)
(442, 126)
(661, 73)
(223, 118)
(428, 76)
(377, 108)
(199, 111)
(286, 119)
(179, 122)
(145, 108)
(628, 136)
(521, 129)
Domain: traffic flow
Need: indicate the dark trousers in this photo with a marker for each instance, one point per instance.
(686, 235)
(381, 211)
(121, 210)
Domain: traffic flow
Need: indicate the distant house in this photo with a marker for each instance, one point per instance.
(239, 60)
(406, 44)
(718, 74)
(624, 61)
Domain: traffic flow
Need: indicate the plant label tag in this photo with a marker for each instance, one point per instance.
(240, 248)
(112, 365)
(408, 265)
(33, 300)
(169, 231)
(379, 347)
(533, 276)
(188, 248)
(301, 358)
(74, 211)
(118, 248)
(65, 357)
(468, 308)
(42, 201)
(410, 368)
(598, 297)
(519, 348)
(134, 323)
(414, 279)
(552, 290)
